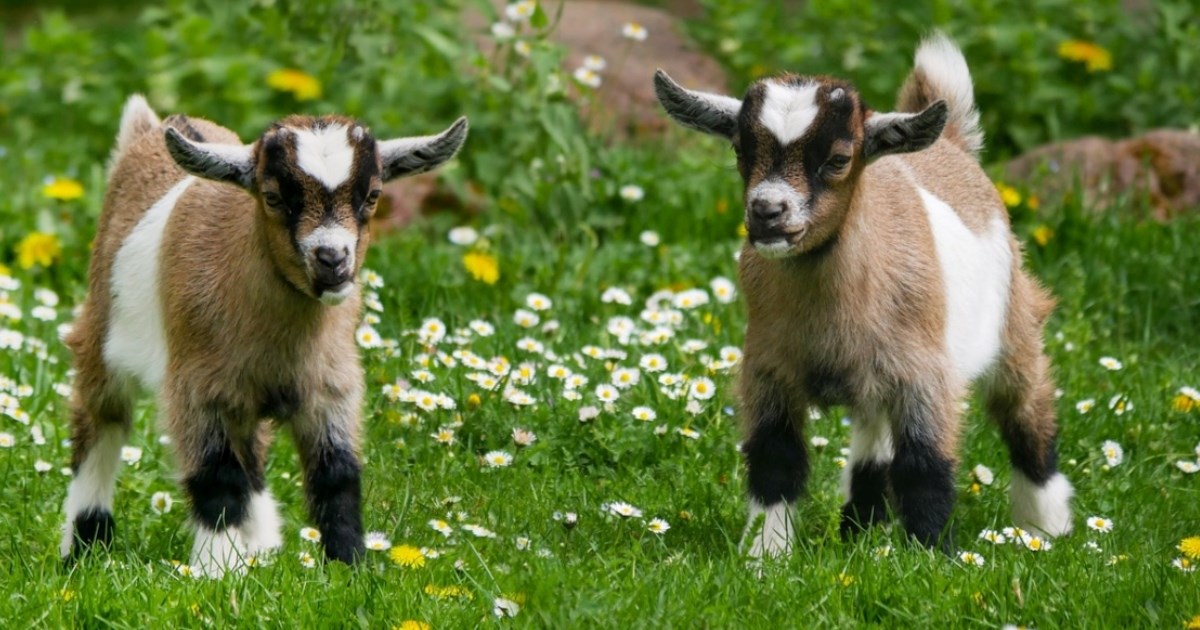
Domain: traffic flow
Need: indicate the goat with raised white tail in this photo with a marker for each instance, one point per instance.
(224, 277)
(880, 273)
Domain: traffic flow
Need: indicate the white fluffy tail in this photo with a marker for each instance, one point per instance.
(136, 119)
(940, 73)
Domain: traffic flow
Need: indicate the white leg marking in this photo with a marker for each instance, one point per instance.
(94, 483)
(325, 154)
(775, 537)
(136, 342)
(262, 527)
(870, 441)
(1045, 509)
(976, 271)
(789, 110)
(216, 552)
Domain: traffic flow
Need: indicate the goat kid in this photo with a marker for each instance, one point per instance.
(880, 273)
(223, 276)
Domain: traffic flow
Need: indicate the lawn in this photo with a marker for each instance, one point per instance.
(556, 446)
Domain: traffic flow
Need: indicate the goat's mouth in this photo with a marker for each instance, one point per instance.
(778, 244)
(332, 294)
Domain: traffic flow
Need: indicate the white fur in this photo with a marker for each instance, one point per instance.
(776, 536)
(335, 237)
(1046, 509)
(945, 70)
(262, 527)
(94, 482)
(216, 552)
(239, 157)
(976, 272)
(794, 218)
(870, 441)
(788, 111)
(325, 154)
(137, 343)
(136, 118)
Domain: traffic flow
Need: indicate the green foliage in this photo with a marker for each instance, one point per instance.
(1027, 93)
(553, 217)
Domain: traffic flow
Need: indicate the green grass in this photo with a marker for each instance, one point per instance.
(552, 215)
(1122, 295)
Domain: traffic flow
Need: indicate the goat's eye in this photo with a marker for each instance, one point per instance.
(835, 163)
(273, 199)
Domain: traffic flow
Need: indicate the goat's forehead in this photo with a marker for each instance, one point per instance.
(788, 107)
(328, 151)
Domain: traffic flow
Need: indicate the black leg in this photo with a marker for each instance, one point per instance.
(867, 503)
(922, 474)
(335, 494)
(776, 459)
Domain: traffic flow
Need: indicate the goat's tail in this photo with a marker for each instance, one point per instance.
(940, 74)
(136, 119)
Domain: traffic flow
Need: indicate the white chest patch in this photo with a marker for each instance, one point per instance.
(137, 343)
(788, 111)
(976, 270)
(325, 154)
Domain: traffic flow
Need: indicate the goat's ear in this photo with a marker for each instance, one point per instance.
(710, 113)
(903, 133)
(409, 156)
(232, 163)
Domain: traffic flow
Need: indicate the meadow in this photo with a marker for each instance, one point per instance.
(551, 416)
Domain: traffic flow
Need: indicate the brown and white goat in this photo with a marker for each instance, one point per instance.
(880, 273)
(223, 277)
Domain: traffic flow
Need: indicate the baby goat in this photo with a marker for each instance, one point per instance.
(880, 273)
(223, 277)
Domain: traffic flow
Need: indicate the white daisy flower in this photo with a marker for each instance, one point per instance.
(649, 238)
(1100, 524)
(587, 77)
(971, 558)
(634, 31)
(702, 388)
(723, 289)
(645, 414)
(131, 454)
(614, 295)
(497, 459)
(1113, 453)
(1111, 364)
(161, 502)
(518, 12)
(538, 302)
(622, 509)
(658, 526)
(311, 534)
(632, 193)
(983, 474)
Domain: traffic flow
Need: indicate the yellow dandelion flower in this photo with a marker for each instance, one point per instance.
(1194, 624)
(483, 267)
(67, 594)
(38, 248)
(741, 230)
(474, 400)
(446, 592)
(1042, 235)
(407, 556)
(1190, 547)
(1009, 195)
(1095, 57)
(63, 189)
(845, 579)
(412, 624)
(302, 85)
(1184, 403)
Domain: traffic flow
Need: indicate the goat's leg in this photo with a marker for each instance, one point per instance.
(1020, 398)
(326, 437)
(100, 424)
(221, 469)
(924, 429)
(776, 467)
(865, 478)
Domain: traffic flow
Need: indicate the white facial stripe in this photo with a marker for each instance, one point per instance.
(788, 111)
(137, 342)
(976, 272)
(94, 482)
(334, 237)
(325, 154)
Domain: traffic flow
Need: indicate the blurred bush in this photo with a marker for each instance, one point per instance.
(1043, 70)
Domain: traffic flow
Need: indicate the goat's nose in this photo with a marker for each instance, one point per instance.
(332, 257)
(764, 210)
